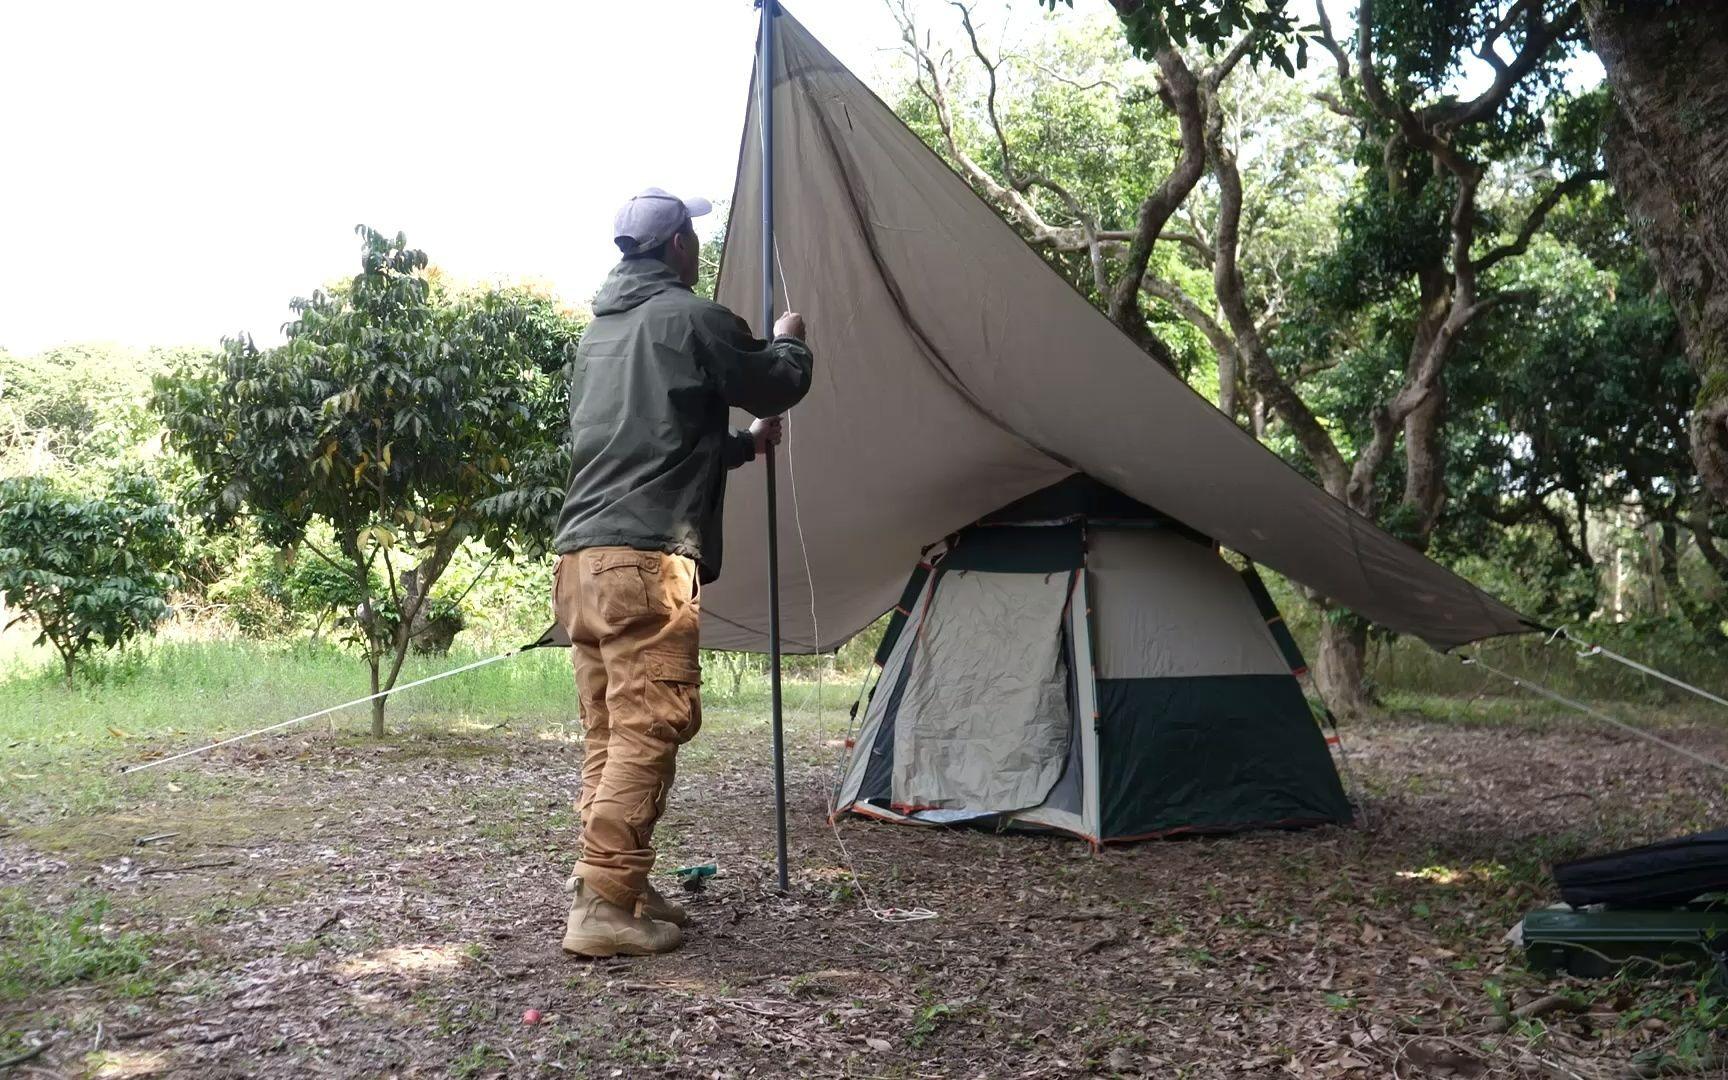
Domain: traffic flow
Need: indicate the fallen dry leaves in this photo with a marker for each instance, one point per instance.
(404, 917)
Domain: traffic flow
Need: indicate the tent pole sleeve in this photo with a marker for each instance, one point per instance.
(765, 110)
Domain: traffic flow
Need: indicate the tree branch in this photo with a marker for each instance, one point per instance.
(1330, 41)
(990, 97)
(1540, 37)
(1369, 75)
(1221, 71)
(1534, 505)
(1223, 346)
(1336, 105)
(1186, 306)
(1089, 230)
(1181, 91)
(1713, 555)
(390, 576)
(1009, 195)
(1227, 283)
(1496, 299)
(1463, 239)
(1565, 189)
(1065, 80)
(314, 549)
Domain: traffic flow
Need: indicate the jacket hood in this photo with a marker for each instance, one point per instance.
(633, 282)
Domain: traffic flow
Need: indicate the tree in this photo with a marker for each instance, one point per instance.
(1152, 25)
(1113, 222)
(406, 415)
(77, 412)
(1546, 476)
(91, 570)
(1667, 64)
(1340, 361)
(1421, 250)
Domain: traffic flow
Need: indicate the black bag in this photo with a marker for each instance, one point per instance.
(1666, 874)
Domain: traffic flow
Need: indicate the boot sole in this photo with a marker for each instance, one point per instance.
(597, 950)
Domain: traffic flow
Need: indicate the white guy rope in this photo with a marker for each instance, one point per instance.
(321, 712)
(1588, 651)
(1629, 729)
(881, 914)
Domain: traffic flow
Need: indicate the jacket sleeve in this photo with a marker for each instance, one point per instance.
(764, 378)
(738, 448)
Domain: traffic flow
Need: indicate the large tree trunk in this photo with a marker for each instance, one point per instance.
(1424, 428)
(1425, 468)
(1340, 672)
(1667, 150)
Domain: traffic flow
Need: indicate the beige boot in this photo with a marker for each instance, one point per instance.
(664, 910)
(657, 906)
(600, 928)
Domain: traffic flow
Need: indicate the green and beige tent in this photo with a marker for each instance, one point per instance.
(1079, 661)
(957, 374)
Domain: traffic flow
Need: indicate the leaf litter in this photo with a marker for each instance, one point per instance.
(411, 921)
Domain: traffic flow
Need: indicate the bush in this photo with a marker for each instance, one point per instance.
(90, 570)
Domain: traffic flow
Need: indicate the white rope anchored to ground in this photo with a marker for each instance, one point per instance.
(1636, 732)
(321, 712)
(1588, 651)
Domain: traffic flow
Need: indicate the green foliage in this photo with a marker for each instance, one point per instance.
(267, 592)
(1384, 238)
(41, 950)
(89, 570)
(394, 405)
(1077, 108)
(403, 414)
(1210, 25)
(77, 412)
(1541, 472)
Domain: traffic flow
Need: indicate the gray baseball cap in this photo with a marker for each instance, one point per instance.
(653, 217)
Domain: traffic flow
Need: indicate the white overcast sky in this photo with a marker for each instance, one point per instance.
(176, 171)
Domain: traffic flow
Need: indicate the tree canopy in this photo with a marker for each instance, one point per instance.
(405, 414)
(91, 570)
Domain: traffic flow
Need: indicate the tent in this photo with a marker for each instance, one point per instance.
(1078, 661)
(956, 372)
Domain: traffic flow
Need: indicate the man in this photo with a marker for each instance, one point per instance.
(656, 374)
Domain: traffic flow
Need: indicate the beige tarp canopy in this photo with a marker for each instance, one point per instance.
(956, 372)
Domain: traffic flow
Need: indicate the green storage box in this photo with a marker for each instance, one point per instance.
(1595, 943)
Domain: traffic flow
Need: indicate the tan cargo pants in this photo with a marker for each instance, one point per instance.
(632, 617)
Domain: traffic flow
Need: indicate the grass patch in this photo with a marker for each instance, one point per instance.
(64, 747)
(480, 1060)
(41, 950)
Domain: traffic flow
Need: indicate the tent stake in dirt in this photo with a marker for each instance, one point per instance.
(765, 107)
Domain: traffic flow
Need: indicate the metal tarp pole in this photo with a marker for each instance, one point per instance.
(765, 111)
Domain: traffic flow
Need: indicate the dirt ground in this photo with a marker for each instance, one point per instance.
(339, 908)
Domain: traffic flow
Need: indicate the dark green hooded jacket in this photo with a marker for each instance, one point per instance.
(655, 375)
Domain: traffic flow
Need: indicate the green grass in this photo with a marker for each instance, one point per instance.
(61, 749)
(41, 950)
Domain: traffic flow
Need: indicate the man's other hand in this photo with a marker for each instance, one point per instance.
(767, 432)
(790, 324)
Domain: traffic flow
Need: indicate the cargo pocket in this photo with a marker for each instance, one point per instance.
(628, 586)
(675, 684)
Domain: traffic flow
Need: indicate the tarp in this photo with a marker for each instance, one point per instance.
(957, 372)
